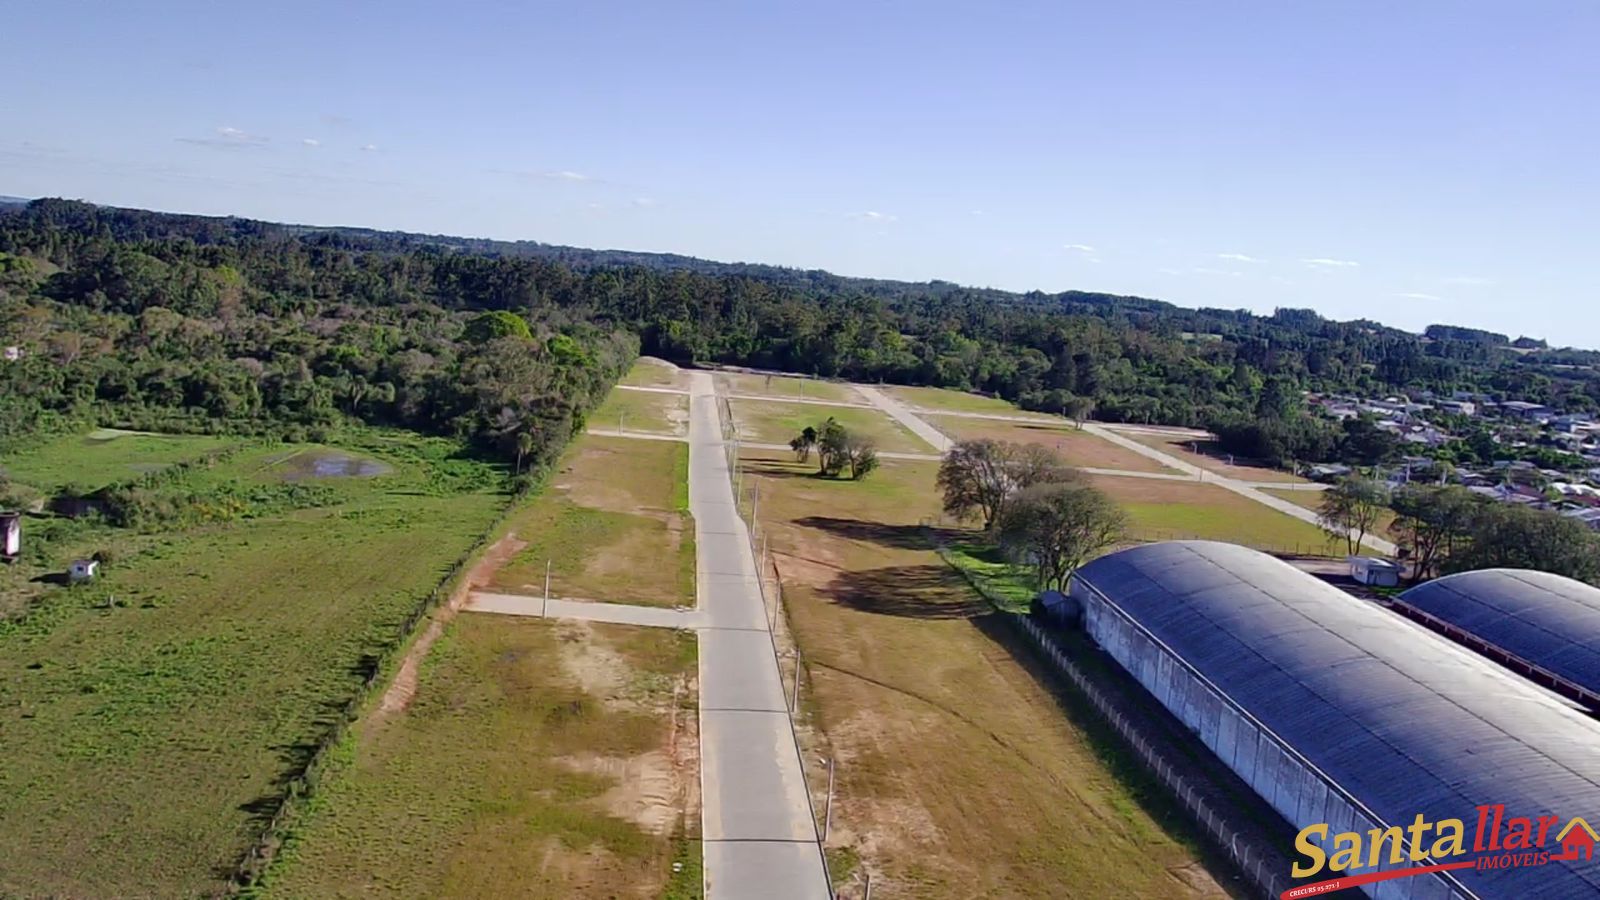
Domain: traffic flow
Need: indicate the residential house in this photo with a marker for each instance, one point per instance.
(1522, 409)
(1458, 407)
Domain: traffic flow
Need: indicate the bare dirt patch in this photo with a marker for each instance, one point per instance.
(404, 686)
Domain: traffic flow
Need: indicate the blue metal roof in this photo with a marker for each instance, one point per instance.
(1547, 620)
(1398, 718)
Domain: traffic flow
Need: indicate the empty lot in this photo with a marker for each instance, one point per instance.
(777, 423)
(1079, 448)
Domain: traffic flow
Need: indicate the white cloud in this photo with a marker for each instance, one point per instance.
(1325, 263)
(1468, 281)
(369, 148)
(565, 175)
(1169, 272)
(1237, 257)
(1226, 273)
(643, 202)
(872, 215)
(1078, 248)
(975, 212)
(228, 137)
(311, 142)
(1412, 295)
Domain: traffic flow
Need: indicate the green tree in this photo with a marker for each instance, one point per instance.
(977, 477)
(497, 324)
(1350, 509)
(1508, 535)
(833, 447)
(1432, 522)
(803, 443)
(862, 454)
(1056, 527)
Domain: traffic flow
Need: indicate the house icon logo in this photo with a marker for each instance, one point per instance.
(1577, 840)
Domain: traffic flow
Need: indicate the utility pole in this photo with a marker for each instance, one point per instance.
(827, 809)
(546, 611)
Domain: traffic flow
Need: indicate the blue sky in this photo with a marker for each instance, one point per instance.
(1412, 162)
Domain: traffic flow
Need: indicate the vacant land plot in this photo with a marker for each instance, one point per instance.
(958, 774)
(1198, 454)
(777, 423)
(1187, 510)
(1078, 448)
(537, 759)
(941, 399)
(613, 525)
(649, 411)
(652, 372)
(148, 720)
(786, 386)
(1312, 500)
(102, 457)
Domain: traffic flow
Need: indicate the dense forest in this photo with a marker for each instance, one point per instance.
(161, 320)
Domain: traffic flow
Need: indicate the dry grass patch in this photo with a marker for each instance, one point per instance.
(959, 774)
(788, 386)
(538, 759)
(1198, 453)
(776, 423)
(651, 372)
(1079, 448)
(649, 411)
(937, 399)
(1186, 510)
(613, 524)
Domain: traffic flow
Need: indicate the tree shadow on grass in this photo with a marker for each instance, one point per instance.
(902, 537)
(931, 591)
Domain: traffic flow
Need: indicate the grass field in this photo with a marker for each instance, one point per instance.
(1182, 510)
(776, 423)
(786, 386)
(1180, 447)
(651, 372)
(941, 399)
(1078, 448)
(102, 457)
(648, 411)
(1312, 500)
(538, 759)
(146, 737)
(614, 525)
(959, 774)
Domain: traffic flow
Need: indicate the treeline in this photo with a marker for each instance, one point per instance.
(306, 325)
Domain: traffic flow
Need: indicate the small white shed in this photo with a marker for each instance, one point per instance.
(1374, 572)
(83, 569)
(10, 534)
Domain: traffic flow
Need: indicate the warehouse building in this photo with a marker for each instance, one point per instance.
(1543, 626)
(1337, 711)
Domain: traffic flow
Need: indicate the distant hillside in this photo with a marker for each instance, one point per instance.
(1136, 358)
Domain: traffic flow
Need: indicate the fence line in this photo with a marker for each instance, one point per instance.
(1262, 867)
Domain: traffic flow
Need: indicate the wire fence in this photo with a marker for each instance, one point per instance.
(1332, 548)
(1264, 867)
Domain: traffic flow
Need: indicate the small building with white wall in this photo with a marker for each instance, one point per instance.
(1374, 572)
(83, 569)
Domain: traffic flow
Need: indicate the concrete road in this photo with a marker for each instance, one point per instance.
(557, 608)
(903, 414)
(760, 838)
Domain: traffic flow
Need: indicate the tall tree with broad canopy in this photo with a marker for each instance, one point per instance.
(976, 477)
(1432, 523)
(1350, 509)
(1058, 526)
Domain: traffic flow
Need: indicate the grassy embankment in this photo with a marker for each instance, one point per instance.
(152, 717)
(614, 525)
(959, 771)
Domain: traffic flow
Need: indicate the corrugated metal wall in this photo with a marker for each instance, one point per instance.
(1273, 770)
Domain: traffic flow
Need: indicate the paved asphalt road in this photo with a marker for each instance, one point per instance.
(760, 837)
